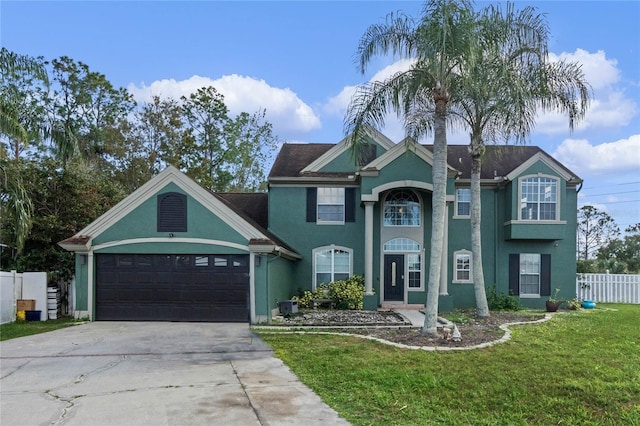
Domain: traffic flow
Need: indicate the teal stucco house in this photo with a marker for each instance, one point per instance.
(175, 251)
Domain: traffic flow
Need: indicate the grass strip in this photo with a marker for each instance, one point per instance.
(580, 368)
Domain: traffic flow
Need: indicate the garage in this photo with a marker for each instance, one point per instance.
(172, 287)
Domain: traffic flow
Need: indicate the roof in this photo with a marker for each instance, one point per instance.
(292, 158)
(498, 160)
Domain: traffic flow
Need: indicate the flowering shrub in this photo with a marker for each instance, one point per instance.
(347, 294)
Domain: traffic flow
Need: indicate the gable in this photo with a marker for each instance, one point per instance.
(340, 158)
(136, 215)
(200, 222)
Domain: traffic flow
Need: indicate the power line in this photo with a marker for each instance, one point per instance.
(618, 202)
(612, 193)
(613, 184)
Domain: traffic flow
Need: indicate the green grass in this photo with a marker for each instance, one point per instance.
(27, 328)
(580, 368)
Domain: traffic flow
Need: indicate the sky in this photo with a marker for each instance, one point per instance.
(296, 59)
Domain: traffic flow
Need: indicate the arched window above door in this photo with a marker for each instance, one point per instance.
(402, 208)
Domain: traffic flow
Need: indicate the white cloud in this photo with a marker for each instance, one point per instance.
(285, 110)
(612, 157)
(609, 107)
(600, 72)
(337, 105)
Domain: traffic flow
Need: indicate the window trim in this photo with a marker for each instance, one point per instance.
(333, 249)
(320, 221)
(456, 214)
(457, 253)
(522, 273)
(539, 176)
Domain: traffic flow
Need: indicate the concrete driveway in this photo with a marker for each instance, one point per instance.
(135, 373)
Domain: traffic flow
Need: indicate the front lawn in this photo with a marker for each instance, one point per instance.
(580, 368)
(26, 328)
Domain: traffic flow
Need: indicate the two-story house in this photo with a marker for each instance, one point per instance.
(172, 250)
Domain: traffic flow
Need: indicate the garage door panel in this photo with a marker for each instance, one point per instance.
(172, 287)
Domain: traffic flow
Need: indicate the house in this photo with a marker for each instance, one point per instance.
(174, 251)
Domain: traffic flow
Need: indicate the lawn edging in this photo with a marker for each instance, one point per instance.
(505, 337)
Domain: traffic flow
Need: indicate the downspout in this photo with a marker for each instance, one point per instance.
(267, 282)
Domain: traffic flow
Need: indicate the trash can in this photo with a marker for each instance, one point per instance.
(288, 307)
(32, 315)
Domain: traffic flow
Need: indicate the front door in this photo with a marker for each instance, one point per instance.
(393, 277)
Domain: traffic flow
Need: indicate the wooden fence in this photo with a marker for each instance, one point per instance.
(608, 288)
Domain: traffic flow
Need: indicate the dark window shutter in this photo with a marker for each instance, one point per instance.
(367, 154)
(349, 204)
(172, 212)
(312, 199)
(514, 274)
(545, 274)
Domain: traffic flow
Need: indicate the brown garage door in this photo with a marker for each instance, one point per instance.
(158, 287)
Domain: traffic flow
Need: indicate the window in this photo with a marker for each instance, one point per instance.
(402, 208)
(401, 244)
(530, 274)
(538, 198)
(414, 267)
(172, 212)
(330, 205)
(462, 267)
(331, 264)
(463, 201)
(333, 206)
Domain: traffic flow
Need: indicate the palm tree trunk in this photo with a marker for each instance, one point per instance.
(439, 176)
(477, 149)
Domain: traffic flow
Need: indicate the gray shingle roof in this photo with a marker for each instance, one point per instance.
(499, 160)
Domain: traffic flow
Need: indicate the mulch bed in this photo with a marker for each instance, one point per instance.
(393, 327)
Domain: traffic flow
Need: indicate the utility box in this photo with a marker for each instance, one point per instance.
(26, 305)
(288, 307)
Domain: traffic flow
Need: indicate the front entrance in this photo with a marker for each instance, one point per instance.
(394, 277)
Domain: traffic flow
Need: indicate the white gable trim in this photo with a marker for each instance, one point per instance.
(342, 147)
(375, 192)
(399, 149)
(544, 158)
(170, 240)
(149, 189)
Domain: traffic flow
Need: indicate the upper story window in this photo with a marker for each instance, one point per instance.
(463, 201)
(330, 205)
(402, 208)
(538, 198)
(172, 212)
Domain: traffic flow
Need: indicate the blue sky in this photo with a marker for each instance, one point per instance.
(296, 59)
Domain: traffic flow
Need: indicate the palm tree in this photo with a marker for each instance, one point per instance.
(13, 197)
(437, 42)
(503, 82)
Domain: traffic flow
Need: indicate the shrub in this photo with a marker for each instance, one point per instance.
(349, 293)
(501, 301)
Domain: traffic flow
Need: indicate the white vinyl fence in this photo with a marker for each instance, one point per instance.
(608, 288)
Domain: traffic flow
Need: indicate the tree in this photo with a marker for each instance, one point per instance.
(596, 229)
(19, 124)
(253, 143)
(84, 108)
(17, 71)
(501, 82)
(626, 250)
(64, 202)
(421, 96)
